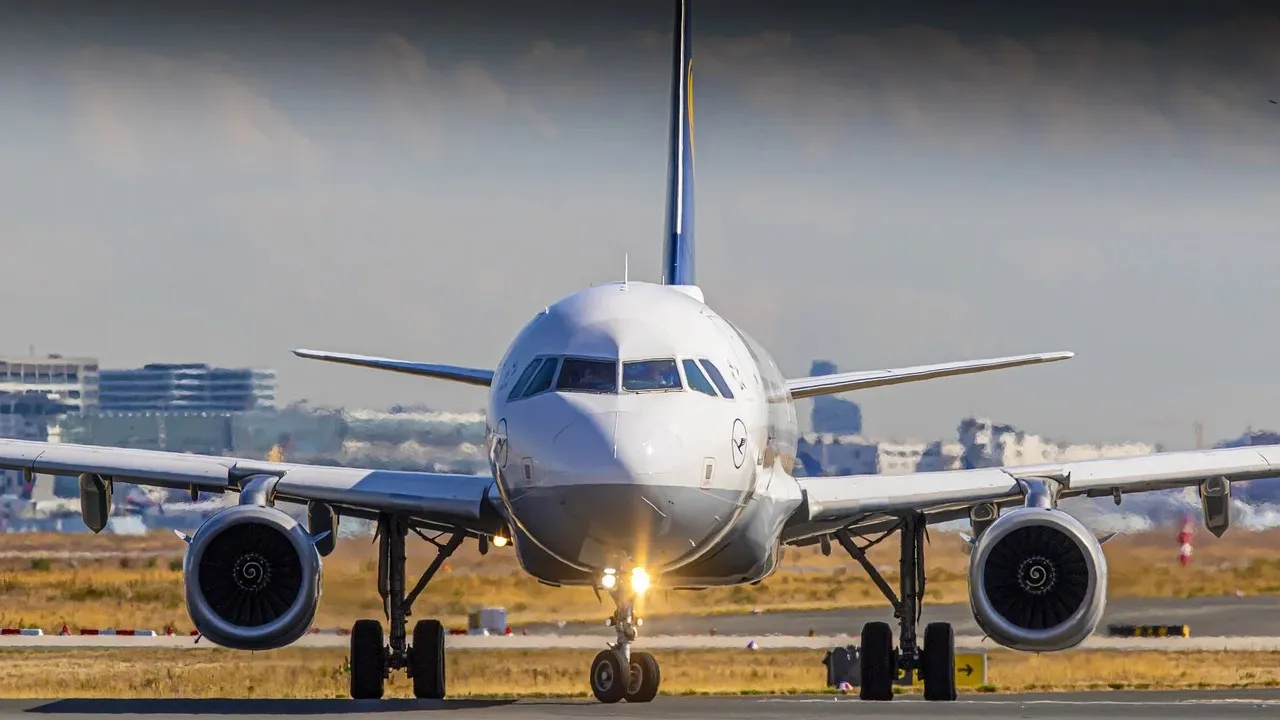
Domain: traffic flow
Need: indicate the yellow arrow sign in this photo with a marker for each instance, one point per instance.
(971, 670)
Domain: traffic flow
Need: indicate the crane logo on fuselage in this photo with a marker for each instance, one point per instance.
(739, 442)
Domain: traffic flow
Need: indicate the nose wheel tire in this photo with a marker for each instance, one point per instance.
(644, 678)
(368, 660)
(608, 677)
(939, 662)
(426, 660)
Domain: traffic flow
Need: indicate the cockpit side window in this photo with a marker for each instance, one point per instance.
(541, 381)
(717, 378)
(696, 379)
(651, 375)
(525, 377)
(594, 376)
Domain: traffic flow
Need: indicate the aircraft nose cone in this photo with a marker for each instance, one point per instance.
(616, 447)
(645, 446)
(612, 485)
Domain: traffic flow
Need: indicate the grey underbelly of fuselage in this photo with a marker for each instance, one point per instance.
(678, 533)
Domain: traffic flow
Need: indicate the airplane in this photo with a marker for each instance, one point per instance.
(638, 439)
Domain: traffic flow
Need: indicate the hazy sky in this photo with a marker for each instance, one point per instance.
(879, 186)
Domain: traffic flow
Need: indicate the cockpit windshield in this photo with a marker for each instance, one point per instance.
(595, 376)
(696, 379)
(649, 375)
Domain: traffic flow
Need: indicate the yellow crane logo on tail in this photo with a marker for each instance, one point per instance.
(689, 103)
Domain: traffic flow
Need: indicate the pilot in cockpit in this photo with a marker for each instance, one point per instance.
(663, 376)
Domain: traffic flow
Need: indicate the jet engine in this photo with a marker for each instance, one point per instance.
(252, 578)
(1037, 580)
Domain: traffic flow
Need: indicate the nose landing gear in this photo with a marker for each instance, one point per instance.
(618, 673)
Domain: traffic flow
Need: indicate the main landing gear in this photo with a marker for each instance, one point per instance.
(881, 664)
(371, 660)
(618, 673)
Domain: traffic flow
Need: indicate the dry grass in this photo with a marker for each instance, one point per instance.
(322, 673)
(48, 580)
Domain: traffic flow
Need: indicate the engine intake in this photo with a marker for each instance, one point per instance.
(1037, 580)
(252, 578)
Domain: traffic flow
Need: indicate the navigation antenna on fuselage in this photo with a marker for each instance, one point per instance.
(625, 268)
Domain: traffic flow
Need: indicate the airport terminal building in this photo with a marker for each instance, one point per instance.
(189, 387)
(71, 381)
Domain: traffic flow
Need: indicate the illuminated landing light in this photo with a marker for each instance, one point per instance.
(499, 541)
(639, 580)
(610, 579)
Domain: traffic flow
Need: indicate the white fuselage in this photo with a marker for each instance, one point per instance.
(648, 432)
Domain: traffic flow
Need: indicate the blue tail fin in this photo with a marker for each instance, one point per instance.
(678, 253)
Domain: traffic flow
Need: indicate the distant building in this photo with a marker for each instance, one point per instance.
(206, 433)
(827, 454)
(71, 381)
(989, 444)
(981, 443)
(26, 416)
(1262, 489)
(187, 388)
(831, 414)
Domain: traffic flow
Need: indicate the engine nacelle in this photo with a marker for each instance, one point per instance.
(1037, 580)
(252, 578)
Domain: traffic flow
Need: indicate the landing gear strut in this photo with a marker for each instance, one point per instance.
(881, 664)
(371, 660)
(618, 673)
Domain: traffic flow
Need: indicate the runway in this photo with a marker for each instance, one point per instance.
(657, 642)
(1208, 617)
(1097, 706)
(1221, 623)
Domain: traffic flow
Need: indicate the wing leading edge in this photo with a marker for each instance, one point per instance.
(843, 382)
(469, 376)
(831, 502)
(460, 501)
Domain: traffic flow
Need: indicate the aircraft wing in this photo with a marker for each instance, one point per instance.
(470, 376)
(831, 503)
(843, 382)
(444, 499)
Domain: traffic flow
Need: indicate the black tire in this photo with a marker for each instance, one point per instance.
(644, 678)
(939, 662)
(876, 662)
(368, 660)
(426, 660)
(608, 679)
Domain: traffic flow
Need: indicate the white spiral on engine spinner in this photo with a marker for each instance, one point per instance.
(1036, 575)
(250, 572)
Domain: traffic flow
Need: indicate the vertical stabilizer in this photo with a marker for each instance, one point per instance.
(678, 253)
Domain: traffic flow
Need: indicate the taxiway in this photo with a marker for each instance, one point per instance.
(1151, 705)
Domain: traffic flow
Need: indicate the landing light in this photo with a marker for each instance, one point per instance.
(610, 580)
(499, 541)
(639, 580)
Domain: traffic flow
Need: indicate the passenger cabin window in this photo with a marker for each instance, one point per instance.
(594, 376)
(542, 379)
(651, 375)
(717, 378)
(696, 379)
(525, 377)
